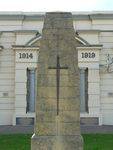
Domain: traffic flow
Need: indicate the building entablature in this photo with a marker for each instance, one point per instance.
(28, 16)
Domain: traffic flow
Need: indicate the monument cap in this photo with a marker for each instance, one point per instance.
(58, 20)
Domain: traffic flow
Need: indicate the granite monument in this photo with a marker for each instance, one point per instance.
(57, 125)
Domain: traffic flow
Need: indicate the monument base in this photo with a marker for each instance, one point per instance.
(67, 142)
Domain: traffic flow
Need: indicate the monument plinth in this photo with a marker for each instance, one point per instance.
(57, 125)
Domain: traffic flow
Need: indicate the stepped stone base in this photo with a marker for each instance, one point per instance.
(68, 142)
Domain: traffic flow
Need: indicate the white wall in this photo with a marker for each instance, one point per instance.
(106, 84)
(91, 31)
(7, 39)
(21, 66)
(94, 31)
(12, 25)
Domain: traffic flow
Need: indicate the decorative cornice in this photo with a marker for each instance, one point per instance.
(92, 30)
(85, 47)
(93, 17)
(23, 47)
(79, 31)
(101, 16)
(11, 17)
(25, 31)
(20, 17)
(40, 16)
(81, 17)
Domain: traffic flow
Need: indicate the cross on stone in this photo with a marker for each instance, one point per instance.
(58, 67)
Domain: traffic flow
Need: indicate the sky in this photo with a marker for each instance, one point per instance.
(56, 5)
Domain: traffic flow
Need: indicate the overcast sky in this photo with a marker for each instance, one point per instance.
(56, 5)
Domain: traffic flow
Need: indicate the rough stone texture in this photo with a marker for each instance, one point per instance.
(58, 39)
(72, 142)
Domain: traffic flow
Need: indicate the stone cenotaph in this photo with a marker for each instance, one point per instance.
(57, 124)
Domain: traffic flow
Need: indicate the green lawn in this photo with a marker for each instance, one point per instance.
(22, 142)
(15, 142)
(98, 141)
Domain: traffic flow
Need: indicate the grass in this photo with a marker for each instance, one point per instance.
(22, 142)
(15, 142)
(98, 141)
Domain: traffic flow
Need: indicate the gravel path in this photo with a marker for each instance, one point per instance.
(29, 129)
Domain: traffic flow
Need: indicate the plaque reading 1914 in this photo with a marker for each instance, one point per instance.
(57, 125)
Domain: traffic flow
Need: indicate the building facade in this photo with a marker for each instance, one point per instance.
(20, 35)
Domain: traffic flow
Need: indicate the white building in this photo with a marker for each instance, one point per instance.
(20, 35)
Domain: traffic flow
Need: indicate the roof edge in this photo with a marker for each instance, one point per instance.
(40, 15)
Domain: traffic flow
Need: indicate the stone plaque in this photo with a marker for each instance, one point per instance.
(88, 55)
(26, 56)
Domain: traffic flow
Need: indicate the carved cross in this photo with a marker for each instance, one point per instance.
(58, 67)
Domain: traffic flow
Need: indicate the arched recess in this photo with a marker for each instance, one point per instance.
(35, 41)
